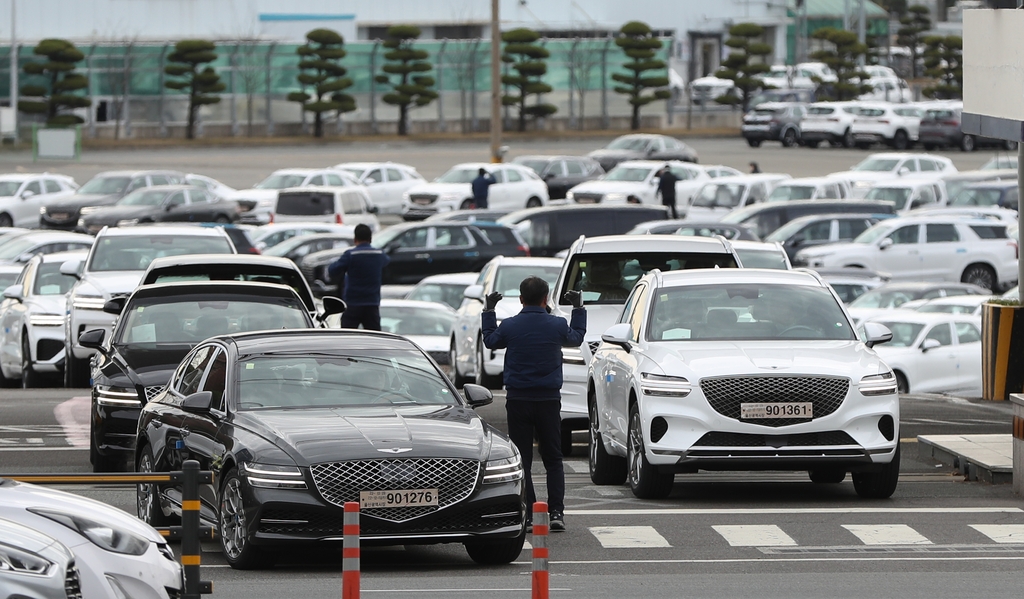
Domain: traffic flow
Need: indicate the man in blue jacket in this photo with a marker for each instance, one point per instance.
(533, 342)
(360, 271)
(480, 187)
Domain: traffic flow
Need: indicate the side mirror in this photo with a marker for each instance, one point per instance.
(620, 334)
(475, 292)
(333, 305)
(169, 207)
(372, 209)
(928, 344)
(24, 258)
(876, 334)
(115, 305)
(885, 243)
(71, 268)
(92, 339)
(903, 170)
(198, 403)
(476, 395)
(27, 194)
(13, 292)
(549, 176)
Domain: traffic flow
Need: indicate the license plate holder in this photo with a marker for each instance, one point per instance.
(398, 498)
(764, 411)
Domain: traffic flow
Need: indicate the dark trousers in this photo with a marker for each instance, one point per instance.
(368, 316)
(670, 203)
(480, 203)
(544, 418)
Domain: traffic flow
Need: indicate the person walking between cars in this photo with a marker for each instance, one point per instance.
(667, 189)
(359, 272)
(480, 187)
(533, 342)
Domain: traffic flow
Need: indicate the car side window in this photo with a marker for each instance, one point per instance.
(939, 233)
(192, 375)
(198, 196)
(627, 309)
(513, 176)
(417, 238)
(52, 186)
(216, 381)
(574, 167)
(682, 173)
(758, 193)
(909, 164)
(335, 180)
(941, 333)
(820, 231)
(926, 196)
(317, 181)
(499, 175)
(394, 174)
(636, 319)
(375, 175)
(34, 187)
(904, 235)
(159, 180)
(176, 200)
(351, 204)
(136, 184)
(967, 333)
(849, 228)
(1011, 199)
(829, 192)
(928, 165)
(452, 237)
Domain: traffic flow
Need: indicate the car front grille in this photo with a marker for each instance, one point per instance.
(153, 391)
(724, 439)
(454, 479)
(313, 524)
(725, 394)
(422, 199)
(72, 584)
(587, 198)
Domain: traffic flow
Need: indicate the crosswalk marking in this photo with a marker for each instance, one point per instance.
(887, 534)
(628, 537)
(754, 535)
(1002, 533)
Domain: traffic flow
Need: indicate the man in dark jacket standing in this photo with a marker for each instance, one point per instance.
(480, 184)
(667, 189)
(359, 271)
(533, 340)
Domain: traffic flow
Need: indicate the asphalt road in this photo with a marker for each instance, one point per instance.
(717, 535)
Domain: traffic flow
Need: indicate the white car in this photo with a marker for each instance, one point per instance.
(36, 565)
(883, 166)
(117, 555)
(887, 89)
(605, 269)
(830, 122)
(891, 124)
(708, 89)
(264, 194)
(742, 369)
(781, 76)
(22, 195)
(636, 182)
(447, 289)
(818, 69)
(427, 324)
(890, 296)
(933, 353)
(215, 187)
(386, 182)
(515, 187)
(469, 357)
(960, 304)
(925, 248)
(32, 319)
(267, 236)
(114, 267)
(18, 249)
(760, 254)
(908, 194)
(717, 198)
(809, 188)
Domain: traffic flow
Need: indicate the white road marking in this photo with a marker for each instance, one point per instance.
(745, 535)
(628, 537)
(761, 560)
(762, 511)
(1002, 533)
(38, 448)
(34, 441)
(73, 417)
(578, 467)
(887, 534)
(527, 545)
(608, 492)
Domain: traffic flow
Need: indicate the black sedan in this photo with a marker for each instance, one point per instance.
(105, 189)
(162, 204)
(295, 425)
(158, 325)
(562, 173)
(642, 146)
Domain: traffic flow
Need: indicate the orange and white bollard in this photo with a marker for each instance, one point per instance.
(540, 550)
(350, 553)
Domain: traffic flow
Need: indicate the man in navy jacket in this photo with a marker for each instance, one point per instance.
(361, 271)
(533, 340)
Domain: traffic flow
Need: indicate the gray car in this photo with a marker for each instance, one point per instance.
(35, 565)
(773, 121)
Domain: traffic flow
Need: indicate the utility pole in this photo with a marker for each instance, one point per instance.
(14, 71)
(495, 83)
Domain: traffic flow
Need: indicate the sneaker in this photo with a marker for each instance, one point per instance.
(557, 522)
(529, 524)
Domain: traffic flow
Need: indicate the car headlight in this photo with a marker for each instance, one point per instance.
(504, 470)
(42, 210)
(663, 385)
(269, 476)
(22, 562)
(878, 384)
(572, 355)
(128, 222)
(88, 210)
(862, 184)
(615, 197)
(87, 302)
(117, 396)
(104, 536)
(570, 196)
(46, 320)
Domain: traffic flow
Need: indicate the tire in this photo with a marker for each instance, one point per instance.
(232, 531)
(76, 370)
(566, 441)
(100, 462)
(29, 377)
(902, 385)
(147, 501)
(789, 138)
(645, 480)
(967, 143)
(812, 144)
(827, 476)
(221, 219)
(848, 139)
(880, 484)
(981, 275)
(466, 205)
(6, 220)
(900, 141)
(533, 203)
(862, 145)
(483, 379)
(754, 143)
(1010, 146)
(929, 147)
(457, 376)
(496, 552)
(605, 469)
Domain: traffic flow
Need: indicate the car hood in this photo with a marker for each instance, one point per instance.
(47, 304)
(431, 343)
(116, 213)
(79, 201)
(599, 186)
(111, 283)
(441, 188)
(314, 435)
(847, 358)
(606, 153)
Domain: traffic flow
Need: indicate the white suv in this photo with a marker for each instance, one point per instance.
(636, 182)
(926, 248)
(890, 165)
(894, 125)
(23, 195)
(740, 370)
(831, 122)
(515, 187)
(263, 195)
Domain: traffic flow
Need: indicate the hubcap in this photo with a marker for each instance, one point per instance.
(145, 495)
(594, 437)
(980, 277)
(636, 450)
(232, 519)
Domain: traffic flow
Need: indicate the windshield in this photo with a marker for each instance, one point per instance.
(9, 188)
(783, 233)
(820, 110)
(720, 195)
(49, 280)
(135, 252)
(977, 197)
(904, 334)
(143, 197)
(536, 166)
(897, 195)
(106, 185)
(627, 173)
(509, 277)
(281, 181)
(191, 319)
(337, 380)
(608, 278)
(418, 320)
(628, 143)
(746, 311)
(459, 175)
(442, 293)
(883, 298)
(767, 258)
(877, 165)
(785, 193)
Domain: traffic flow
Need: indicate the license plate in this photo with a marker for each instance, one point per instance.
(586, 201)
(59, 216)
(421, 201)
(754, 411)
(757, 127)
(407, 498)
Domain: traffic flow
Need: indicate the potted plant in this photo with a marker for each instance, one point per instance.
(1002, 349)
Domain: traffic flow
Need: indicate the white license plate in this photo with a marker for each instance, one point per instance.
(756, 127)
(754, 411)
(403, 498)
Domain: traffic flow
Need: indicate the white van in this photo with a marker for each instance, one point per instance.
(339, 205)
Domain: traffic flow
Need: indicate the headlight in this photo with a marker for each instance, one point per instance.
(42, 210)
(572, 355)
(504, 470)
(570, 196)
(87, 302)
(128, 222)
(878, 384)
(22, 562)
(46, 320)
(273, 477)
(663, 385)
(862, 184)
(81, 222)
(102, 535)
(117, 396)
(88, 210)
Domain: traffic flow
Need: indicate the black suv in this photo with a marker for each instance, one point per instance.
(105, 189)
(552, 229)
(562, 173)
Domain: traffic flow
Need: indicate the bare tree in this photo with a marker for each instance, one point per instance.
(117, 73)
(463, 60)
(584, 56)
(249, 68)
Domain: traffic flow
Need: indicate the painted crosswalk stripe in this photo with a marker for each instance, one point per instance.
(750, 535)
(1002, 533)
(887, 534)
(628, 537)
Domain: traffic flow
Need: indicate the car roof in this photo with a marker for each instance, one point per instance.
(903, 182)
(128, 173)
(969, 300)
(651, 243)
(173, 187)
(20, 176)
(775, 105)
(1001, 184)
(551, 157)
(192, 259)
(527, 261)
(827, 216)
(143, 230)
(809, 181)
(454, 278)
(925, 318)
(751, 178)
(709, 276)
(924, 286)
(994, 173)
(241, 288)
(302, 341)
(659, 163)
(63, 256)
(518, 215)
(365, 165)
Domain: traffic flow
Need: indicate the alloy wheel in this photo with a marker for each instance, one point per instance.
(232, 519)
(635, 450)
(145, 495)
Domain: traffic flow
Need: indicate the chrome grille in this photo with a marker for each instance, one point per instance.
(153, 391)
(587, 198)
(72, 584)
(422, 199)
(725, 394)
(454, 480)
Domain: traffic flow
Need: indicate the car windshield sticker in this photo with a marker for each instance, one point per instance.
(250, 366)
(144, 333)
(49, 290)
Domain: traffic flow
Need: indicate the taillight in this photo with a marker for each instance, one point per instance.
(524, 249)
(951, 123)
(271, 218)
(254, 251)
(1016, 249)
(337, 218)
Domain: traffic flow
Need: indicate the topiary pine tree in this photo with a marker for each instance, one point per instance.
(320, 68)
(57, 95)
(405, 62)
(913, 25)
(743, 65)
(639, 44)
(943, 61)
(526, 59)
(201, 85)
(842, 59)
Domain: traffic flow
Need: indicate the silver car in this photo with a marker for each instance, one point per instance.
(35, 565)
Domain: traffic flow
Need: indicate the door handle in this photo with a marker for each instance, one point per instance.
(157, 423)
(421, 256)
(185, 431)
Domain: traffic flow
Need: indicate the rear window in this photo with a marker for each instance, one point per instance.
(769, 111)
(871, 112)
(939, 114)
(305, 203)
(990, 231)
(498, 236)
(820, 110)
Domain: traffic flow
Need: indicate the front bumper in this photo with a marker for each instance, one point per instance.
(66, 222)
(760, 132)
(113, 428)
(47, 347)
(151, 575)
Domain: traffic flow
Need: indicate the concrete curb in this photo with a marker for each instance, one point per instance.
(985, 458)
